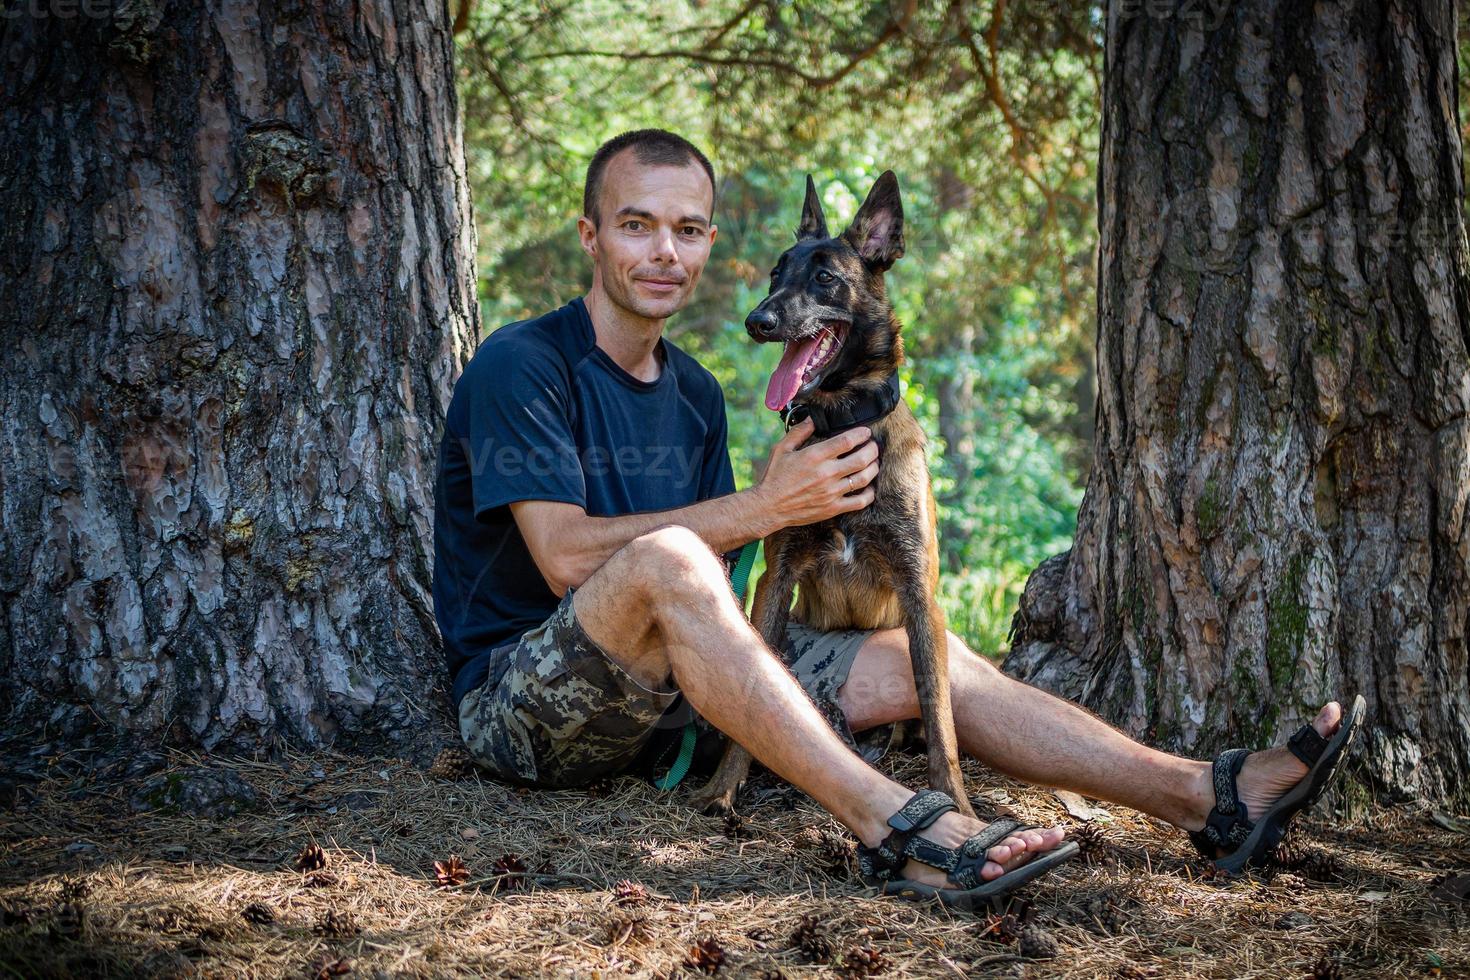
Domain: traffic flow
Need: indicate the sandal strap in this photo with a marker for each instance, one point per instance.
(962, 864)
(922, 809)
(878, 864)
(1229, 823)
(1307, 745)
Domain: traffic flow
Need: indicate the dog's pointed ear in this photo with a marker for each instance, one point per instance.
(813, 221)
(877, 229)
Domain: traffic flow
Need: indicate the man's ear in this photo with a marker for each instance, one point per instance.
(813, 221)
(587, 232)
(877, 229)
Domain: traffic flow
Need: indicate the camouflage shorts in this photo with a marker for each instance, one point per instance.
(565, 713)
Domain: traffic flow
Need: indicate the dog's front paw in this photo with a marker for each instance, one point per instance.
(714, 801)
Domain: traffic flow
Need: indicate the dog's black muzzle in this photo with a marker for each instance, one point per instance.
(762, 324)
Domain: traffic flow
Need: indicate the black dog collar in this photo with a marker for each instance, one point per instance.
(871, 406)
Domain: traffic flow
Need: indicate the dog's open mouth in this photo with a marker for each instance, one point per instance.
(802, 361)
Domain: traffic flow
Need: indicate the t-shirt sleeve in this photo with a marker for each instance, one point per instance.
(520, 431)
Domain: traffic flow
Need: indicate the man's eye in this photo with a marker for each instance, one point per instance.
(824, 277)
(633, 225)
(691, 230)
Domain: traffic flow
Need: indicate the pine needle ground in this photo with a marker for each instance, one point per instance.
(437, 872)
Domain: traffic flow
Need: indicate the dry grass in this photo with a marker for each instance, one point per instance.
(91, 888)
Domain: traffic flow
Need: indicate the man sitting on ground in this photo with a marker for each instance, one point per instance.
(583, 501)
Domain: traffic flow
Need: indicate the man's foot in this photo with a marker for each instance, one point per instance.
(952, 830)
(1269, 773)
(1266, 774)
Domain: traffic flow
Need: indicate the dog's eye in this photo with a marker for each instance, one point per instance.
(773, 273)
(824, 277)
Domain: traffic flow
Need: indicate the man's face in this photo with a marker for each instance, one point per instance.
(654, 235)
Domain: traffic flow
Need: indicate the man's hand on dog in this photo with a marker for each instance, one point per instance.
(827, 478)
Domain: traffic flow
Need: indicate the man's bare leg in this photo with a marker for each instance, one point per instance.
(662, 607)
(1036, 737)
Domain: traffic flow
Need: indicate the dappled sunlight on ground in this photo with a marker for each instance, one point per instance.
(105, 874)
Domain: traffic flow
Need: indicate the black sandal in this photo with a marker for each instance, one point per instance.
(1229, 825)
(879, 865)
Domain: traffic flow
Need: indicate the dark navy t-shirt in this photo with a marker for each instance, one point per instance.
(542, 413)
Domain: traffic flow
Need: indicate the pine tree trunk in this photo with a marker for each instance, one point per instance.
(237, 285)
(1277, 511)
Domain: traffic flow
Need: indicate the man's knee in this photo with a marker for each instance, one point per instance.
(674, 559)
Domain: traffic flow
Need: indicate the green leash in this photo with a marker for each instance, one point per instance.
(739, 579)
(740, 576)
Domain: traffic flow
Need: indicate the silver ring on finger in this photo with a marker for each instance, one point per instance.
(849, 483)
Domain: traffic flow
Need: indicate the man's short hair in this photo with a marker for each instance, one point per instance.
(654, 147)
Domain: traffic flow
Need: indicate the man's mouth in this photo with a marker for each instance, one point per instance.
(661, 285)
(802, 363)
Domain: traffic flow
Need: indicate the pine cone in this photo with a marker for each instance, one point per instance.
(832, 852)
(311, 858)
(811, 940)
(1319, 865)
(259, 913)
(511, 871)
(451, 872)
(336, 924)
(321, 879)
(1091, 841)
(623, 926)
(736, 827)
(706, 956)
(75, 888)
(628, 892)
(1289, 854)
(808, 837)
(451, 764)
(771, 973)
(1038, 944)
(862, 961)
(1100, 913)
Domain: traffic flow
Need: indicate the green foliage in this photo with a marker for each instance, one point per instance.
(1009, 500)
(992, 129)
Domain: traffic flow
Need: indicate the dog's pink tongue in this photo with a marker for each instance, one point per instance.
(787, 376)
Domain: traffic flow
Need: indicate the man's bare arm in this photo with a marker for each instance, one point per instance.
(801, 486)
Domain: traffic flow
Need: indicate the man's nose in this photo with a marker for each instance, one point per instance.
(761, 324)
(663, 247)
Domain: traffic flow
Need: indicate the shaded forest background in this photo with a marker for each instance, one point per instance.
(994, 135)
(995, 144)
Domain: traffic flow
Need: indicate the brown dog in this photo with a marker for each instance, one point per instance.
(875, 568)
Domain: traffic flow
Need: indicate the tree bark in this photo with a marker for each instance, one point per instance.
(1277, 511)
(237, 286)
